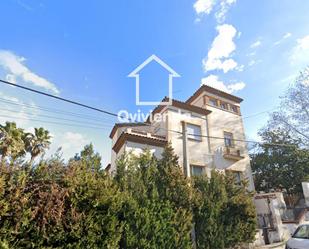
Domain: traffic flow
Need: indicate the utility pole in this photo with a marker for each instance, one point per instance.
(186, 165)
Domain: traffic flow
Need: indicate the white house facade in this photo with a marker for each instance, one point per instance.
(206, 132)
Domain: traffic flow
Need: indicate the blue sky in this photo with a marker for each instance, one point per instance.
(85, 50)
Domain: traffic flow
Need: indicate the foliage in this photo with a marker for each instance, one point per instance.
(149, 203)
(11, 141)
(293, 114)
(280, 168)
(15, 143)
(152, 219)
(224, 213)
(36, 143)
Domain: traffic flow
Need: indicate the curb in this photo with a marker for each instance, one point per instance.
(272, 246)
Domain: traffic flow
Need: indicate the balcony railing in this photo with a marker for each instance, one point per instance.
(233, 153)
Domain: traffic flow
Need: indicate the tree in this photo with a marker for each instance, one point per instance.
(293, 113)
(11, 142)
(37, 143)
(152, 218)
(148, 204)
(279, 167)
(224, 213)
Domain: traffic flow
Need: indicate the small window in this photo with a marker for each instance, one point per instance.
(194, 132)
(237, 177)
(197, 170)
(228, 139)
(234, 108)
(213, 102)
(224, 105)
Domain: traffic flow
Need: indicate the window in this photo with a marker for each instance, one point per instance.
(237, 177)
(302, 232)
(224, 105)
(197, 170)
(234, 108)
(194, 132)
(213, 102)
(228, 139)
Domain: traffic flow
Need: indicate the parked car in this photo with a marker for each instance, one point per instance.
(300, 238)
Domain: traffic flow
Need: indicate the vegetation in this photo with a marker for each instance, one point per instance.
(285, 166)
(280, 168)
(293, 113)
(47, 203)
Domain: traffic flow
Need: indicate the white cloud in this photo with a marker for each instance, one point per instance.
(254, 62)
(251, 54)
(221, 49)
(204, 6)
(251, 63)
(11, 78)
(70, 143)
(214, 64)
(285, 36)
(15, 66)
(213, 81)
(300, 53)
(256, 44)
(207, 6)
(224, 7)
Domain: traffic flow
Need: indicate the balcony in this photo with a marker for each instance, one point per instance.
(232, 153)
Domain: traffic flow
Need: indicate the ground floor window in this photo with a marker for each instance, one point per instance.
(237, 177)
(197, 170)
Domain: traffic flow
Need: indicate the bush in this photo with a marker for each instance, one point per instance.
(148, 204)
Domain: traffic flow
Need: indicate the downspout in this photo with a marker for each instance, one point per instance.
(186, 165)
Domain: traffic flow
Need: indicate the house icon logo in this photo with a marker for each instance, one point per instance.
(171, 74)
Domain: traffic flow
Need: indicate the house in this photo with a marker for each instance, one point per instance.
(206, 132)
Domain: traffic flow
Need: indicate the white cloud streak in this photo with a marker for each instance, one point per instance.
(300, 53)
(221, 7)
(15, 67)
(284, 37)
(256, 44)
(213, 81)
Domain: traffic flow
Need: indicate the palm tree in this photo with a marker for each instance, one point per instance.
(37, 143)
(11, 142)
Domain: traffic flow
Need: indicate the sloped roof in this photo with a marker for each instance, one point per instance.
(118, 125)
(205, 88)
(125, 136)
(181, 105)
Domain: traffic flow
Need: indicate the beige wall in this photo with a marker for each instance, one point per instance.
(135, 149)
(197, 150)
(220, 121)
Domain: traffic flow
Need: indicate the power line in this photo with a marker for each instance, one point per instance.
(258, 113)
(58, 118)
(51, 110)
(52, 122)
(114, 114)
(59, 98)
(241, 140)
